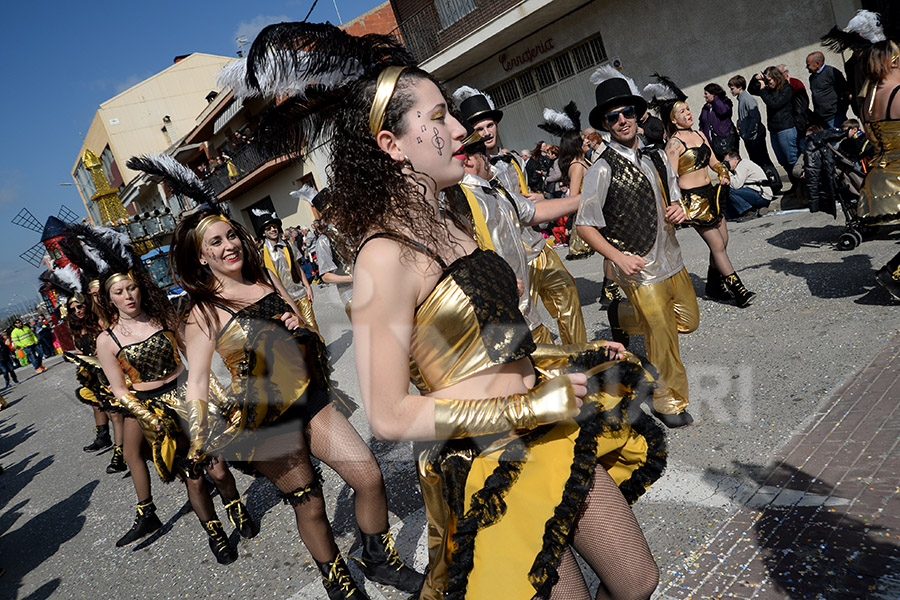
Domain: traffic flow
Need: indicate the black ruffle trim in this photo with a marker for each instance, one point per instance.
(581, 256)
(169, 428)
(879, 220)
(657, 453)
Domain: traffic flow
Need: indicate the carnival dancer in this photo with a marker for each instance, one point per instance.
(628, 207)
(428, 304)
(142, 343)
(550, 280)
(704, 204)
(281, 410)
(573, 165)
(879, 49)
(279, 257)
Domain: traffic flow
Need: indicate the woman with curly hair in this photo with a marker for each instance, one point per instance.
(142, 343)
(509, 477)
(281, 411)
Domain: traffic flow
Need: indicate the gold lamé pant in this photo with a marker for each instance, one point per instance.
(552, 282)
(659, 312)
(305, 308)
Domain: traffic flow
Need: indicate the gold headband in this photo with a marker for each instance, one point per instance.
(204, 224)
(675, 109)
(384, 89)
(94, 285)
(116, 278)
(77, 297)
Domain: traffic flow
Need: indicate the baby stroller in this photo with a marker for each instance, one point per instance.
(830, 177)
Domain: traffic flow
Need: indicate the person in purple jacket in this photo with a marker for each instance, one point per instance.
(715, 120)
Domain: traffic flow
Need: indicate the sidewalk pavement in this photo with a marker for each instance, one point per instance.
(823, 521)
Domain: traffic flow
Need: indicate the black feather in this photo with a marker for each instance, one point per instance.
(663, 106)
(299, 122)
(553, 129)
(571, 110)
(180, 179)
(117, 258)
(838, 40)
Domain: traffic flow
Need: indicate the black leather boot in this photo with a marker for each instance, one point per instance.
(337, 581)
(117, 462)
(145, 522)
(715, 285)
(674, 421)
(742, 296)
(381, 564)
(240, 518)
(618, 334)
(218, 542)
(101, 442)
(610, 293)
(888, 276)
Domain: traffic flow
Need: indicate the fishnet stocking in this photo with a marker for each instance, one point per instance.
(610, 540)
(334, 441)
(717, 240)
(134, 451)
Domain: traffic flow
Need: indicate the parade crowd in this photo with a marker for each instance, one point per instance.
(529, 447)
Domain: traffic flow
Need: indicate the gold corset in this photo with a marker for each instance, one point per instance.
(693, 159)
(153, 359)
(879, 198)
(469, 322)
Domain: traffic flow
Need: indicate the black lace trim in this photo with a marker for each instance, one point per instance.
(304, 493)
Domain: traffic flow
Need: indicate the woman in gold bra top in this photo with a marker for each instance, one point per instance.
(140, 344)
(509, 477)
(281, 411)
(704, 204)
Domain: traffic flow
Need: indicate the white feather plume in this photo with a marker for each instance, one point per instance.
(119, 242)
(658, 91)
(233, 76)
(100, 265)
(608, 71)
(558, 118)
(867, 24)
(464, 92)
(261, 212)
(305, 193)
(277, 80)
(69, 276)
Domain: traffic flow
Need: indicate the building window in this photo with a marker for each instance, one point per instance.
(451, 11)
(563, 65)
(526, 84)
(544, 74)
(599, 51)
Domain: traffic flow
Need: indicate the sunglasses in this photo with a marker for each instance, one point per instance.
(613, 117)
(77, 306)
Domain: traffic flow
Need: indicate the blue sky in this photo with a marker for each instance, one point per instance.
(64, 59)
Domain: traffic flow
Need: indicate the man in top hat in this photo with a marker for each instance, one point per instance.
(279, 257)
(629, 203)
(549, 278)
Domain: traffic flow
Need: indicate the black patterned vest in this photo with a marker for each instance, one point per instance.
(630, 207)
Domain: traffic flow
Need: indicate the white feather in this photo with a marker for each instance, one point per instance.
(119, 242)
(100, 265)
(234, 76)
(658, 91)
(464, 92)
(69, 275)
(867, 24)
(259, 212)
(558, 118)
(276, 78)
(608, 71)
(306, 193)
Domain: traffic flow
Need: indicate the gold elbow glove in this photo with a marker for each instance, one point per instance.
(548, 402)
(147, 418)
(198, 422)
(721, 170)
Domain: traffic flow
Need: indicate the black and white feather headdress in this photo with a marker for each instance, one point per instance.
(180, 179)
(560, 123)
(663, 95)
(311, 65)
(99, 251)
(863, 30)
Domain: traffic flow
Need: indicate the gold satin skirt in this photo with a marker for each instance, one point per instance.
(879, 198)
(703, 205)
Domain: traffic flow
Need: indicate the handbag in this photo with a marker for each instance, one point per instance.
(721, 145)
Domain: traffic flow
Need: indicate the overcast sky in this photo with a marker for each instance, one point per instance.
(64, 58)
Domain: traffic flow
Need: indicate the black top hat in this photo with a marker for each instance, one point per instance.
(611, 93)
(261, 219)
(475, 109)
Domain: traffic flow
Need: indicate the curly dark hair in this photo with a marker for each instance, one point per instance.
(197, 279)
(154, 302)
(369, 190)
(570, 150)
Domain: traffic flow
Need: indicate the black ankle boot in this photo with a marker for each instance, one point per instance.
(240, 518)
(102, 440)
(610, 293)
(381, 564)
(715, 285)
(618, 334)
(337, 581)
(888, 277)
(218, 542)
(145, 522)
(742, 296)
(117, 462)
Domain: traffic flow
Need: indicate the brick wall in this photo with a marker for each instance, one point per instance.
(378, 20)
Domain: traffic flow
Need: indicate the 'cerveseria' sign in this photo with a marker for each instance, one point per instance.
(528, 56)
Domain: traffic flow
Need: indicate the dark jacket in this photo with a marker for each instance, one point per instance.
(829, 93)
(716, 117)
(819, 179)
(778, 105)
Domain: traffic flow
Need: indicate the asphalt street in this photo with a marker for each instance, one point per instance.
(757, 375)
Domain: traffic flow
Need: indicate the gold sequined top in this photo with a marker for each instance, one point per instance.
(153, 359)
(693, 159)
(469, 322)
(879, 198)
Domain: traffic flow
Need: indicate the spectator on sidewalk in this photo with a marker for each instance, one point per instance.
(715, 120)
(777, 95)
(45, 336)
(749, 191)
(7, 364)
(803, 116)
(828, 87)
(750, 127)
(24, 339)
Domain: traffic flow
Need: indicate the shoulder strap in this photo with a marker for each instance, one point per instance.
(887, 110)
(113, 336)
(407, 242)
(660, 165)
(223, 307)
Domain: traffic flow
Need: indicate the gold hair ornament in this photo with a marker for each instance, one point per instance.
(116, 278)
(93, 285)
(205, 224)
(384, 90)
